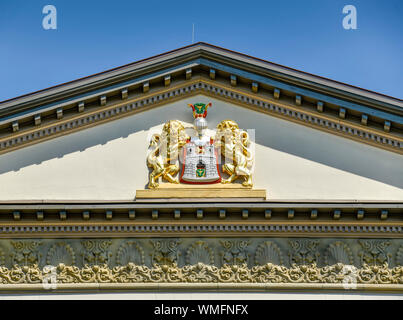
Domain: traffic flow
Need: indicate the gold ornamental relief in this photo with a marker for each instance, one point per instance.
(202, 161)
(235, 146)
(337, 276)
(164, 153)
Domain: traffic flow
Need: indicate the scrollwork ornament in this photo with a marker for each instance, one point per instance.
(235, 252)
(96, 252)
(374, 252)
(303, 252)
(26, 253)
(202, 273)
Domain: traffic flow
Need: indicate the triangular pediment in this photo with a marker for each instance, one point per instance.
(315, 138)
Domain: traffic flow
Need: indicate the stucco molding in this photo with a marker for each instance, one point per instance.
(202, 277)
(197, 229)
(255, 250)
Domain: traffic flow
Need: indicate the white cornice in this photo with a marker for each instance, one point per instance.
(141, 103)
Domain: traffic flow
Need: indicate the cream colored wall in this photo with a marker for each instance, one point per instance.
(108, 162)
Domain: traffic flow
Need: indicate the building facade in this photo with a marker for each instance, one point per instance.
(201, 170)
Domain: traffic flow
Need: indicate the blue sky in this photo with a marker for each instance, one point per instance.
(94, 36)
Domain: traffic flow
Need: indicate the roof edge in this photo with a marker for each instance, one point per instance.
(204, 45)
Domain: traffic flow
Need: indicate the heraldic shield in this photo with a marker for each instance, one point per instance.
(200, 163)
(177, 158)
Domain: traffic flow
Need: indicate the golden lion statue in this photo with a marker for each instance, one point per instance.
(165, 152)
(234, 144)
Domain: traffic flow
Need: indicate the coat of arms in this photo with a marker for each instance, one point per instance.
(179, 158)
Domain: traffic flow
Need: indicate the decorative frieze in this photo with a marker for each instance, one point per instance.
(217, 251)
(199, 265)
